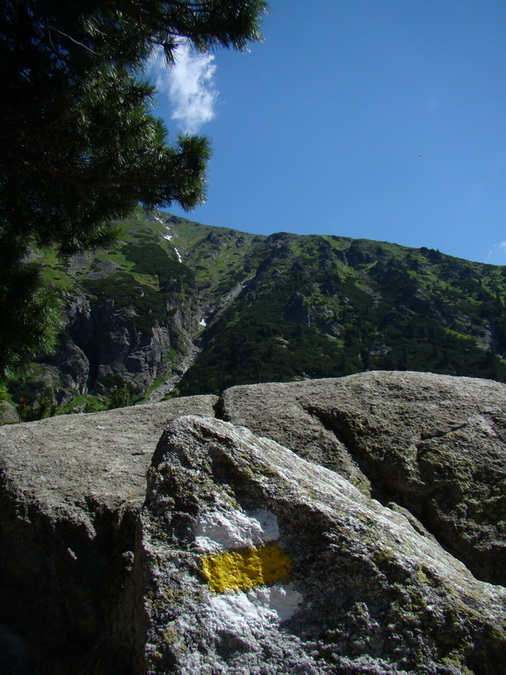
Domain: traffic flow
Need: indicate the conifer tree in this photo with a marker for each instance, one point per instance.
(80, 147)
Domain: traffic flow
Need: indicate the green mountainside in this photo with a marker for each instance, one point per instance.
(319, 306)
(206, 308)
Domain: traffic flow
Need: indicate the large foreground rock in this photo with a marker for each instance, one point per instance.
(71, 489)
(432, 444)
(244, 556)
(260, 562)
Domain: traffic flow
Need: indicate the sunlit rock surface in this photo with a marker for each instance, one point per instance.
(432, 444)
(71, 489)
(357, 525)
(258, 561)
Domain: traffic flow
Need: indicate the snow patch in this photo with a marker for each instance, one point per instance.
(178, 255)
(202, 322)
(169, 234)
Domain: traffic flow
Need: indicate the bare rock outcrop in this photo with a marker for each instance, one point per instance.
(258, 561)
(357, 525)
(434, 445)
(71, 489)
(8, 413)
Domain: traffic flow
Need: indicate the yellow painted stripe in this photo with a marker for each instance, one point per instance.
(246, 568)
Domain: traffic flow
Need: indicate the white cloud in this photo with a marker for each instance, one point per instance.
(498, 251)
(189, 86)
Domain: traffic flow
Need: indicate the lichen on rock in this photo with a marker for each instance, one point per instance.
(364, 591)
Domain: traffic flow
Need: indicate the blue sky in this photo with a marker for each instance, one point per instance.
(377, 119)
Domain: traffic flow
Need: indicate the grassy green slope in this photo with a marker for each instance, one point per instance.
(329, 306)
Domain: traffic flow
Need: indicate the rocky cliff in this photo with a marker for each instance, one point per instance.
(350, 525)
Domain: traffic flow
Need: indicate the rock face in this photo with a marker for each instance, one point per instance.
(260, 562)
(102, 346)
(353, 527)
(432, 444)
(71, 491)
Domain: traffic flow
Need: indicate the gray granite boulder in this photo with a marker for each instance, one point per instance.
(367, 544)
(71, 489)
(8, 413)
(260, 562)
(433, 445)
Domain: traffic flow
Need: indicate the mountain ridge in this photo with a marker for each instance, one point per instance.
(206, 308)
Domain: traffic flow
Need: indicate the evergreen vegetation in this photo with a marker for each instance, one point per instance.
(80, 147)
(328, 306)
